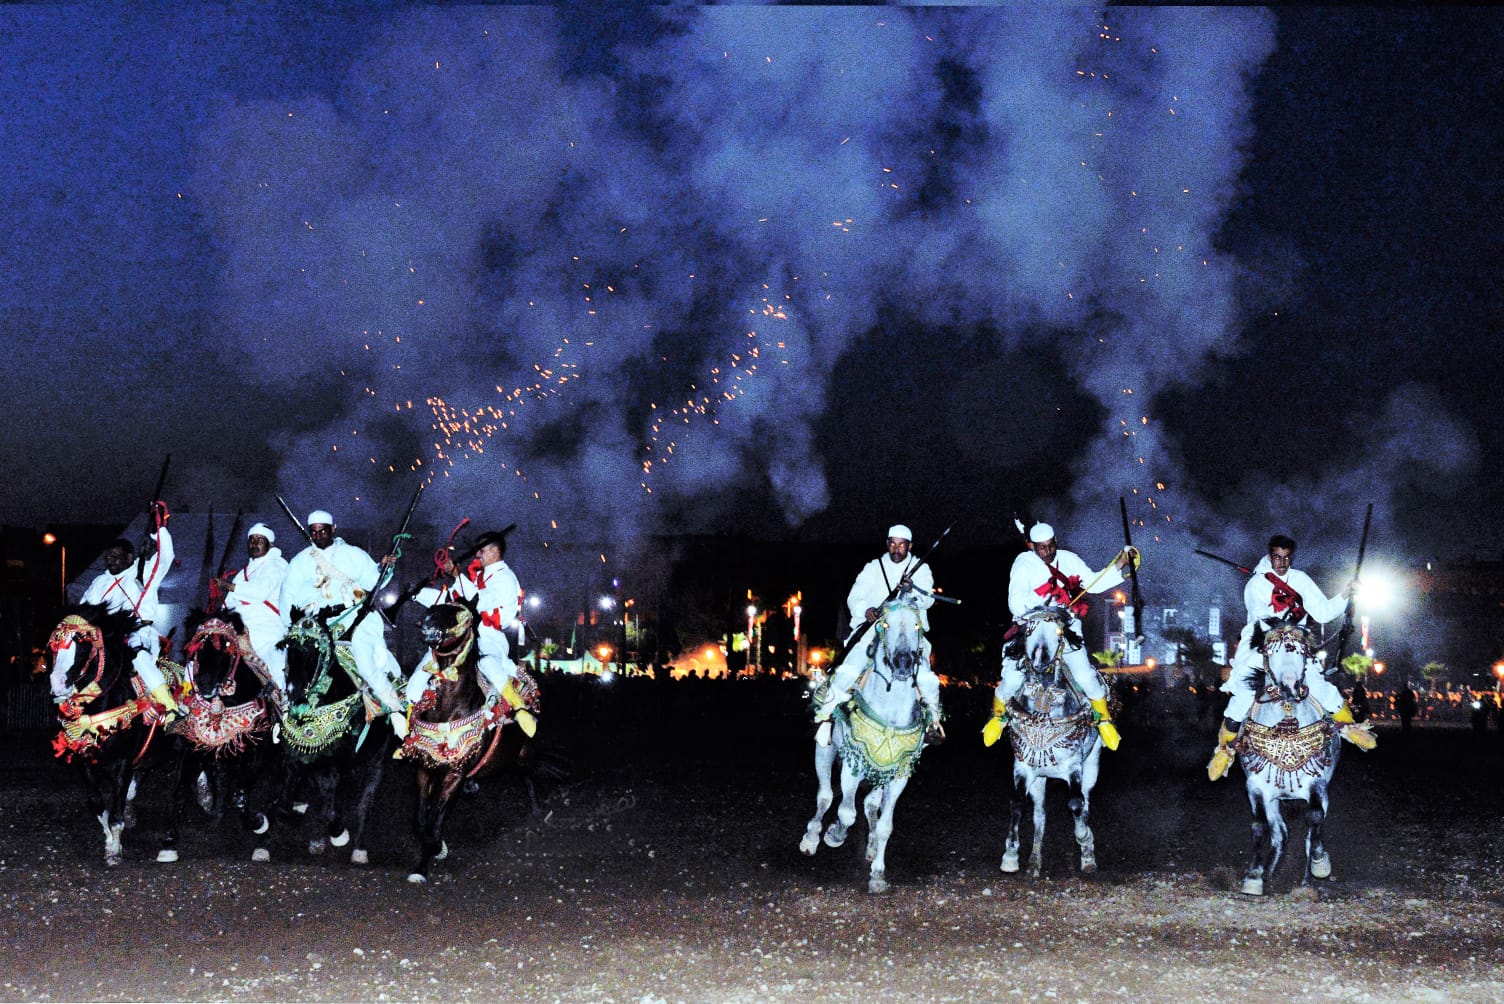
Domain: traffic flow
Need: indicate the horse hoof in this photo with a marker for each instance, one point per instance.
(359, 857)
(877, 885)
(835, 837)
(316, 846)
(1010, 863)
(301, 808)
(1088, 867)
(1321, 867)
(113, 860)
(262, 824)
(443, 851)
(1253, 887)
(808, 845)
(167, 856)
(261, 854)
(341, 838)
(417, 878)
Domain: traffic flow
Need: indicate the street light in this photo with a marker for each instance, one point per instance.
(62, 592)
(751, 621)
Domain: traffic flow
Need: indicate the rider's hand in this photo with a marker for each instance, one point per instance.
(871, 614)
(387, 560)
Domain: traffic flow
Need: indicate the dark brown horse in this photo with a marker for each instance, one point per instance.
(457, 731)
(106, 720)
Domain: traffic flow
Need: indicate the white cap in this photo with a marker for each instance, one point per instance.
(262, 530)
(1040, 533)
(320, 516)
(900, 532)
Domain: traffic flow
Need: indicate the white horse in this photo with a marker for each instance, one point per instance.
(1289, 749)
(878, 738)
(1054, 735)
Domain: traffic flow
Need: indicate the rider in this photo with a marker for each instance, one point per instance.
(126, 587)
(253, 593)
(493, 588)
(881, 578)
(1045, 576)
(1277, 591)
(332, 573)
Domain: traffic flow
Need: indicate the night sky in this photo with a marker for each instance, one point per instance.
(789, 273)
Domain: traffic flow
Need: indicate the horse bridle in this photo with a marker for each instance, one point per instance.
(216, 629)
(76, 627)
(318, 684)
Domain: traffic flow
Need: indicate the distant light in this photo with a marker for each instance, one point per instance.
(607, 603)
(49, 538)
(534, 602)
(751, 611)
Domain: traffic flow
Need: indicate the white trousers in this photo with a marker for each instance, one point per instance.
(851, 667)
(374, 661)
(1087, 679)
(495, 664)
(1247, 661)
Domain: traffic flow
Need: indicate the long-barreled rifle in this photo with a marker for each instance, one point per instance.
(369, 603)
(216, 597)
(1135, 630)
(149, 535)
(862, 629)
(1347, 619)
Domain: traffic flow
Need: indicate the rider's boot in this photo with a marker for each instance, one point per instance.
(1108, 731)
(1360, 736)
(525, 719)
(397, 718)
(993, 730)
(1222, 756)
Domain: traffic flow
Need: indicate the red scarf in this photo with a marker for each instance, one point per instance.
(1060, 589)
(1286, 600)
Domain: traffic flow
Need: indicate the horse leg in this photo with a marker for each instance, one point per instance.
(1036, 852)
(1319, 862)
(872, 807)
(1080, 803)
(877, 880)
(375, 767)
(825, 757)
(326, 782)
(435, 789)
(104, 790)
(835, 833)
(1263, 836)
(260, 824)
(1015, 817)
(185, 762)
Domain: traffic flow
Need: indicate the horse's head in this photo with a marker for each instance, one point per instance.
(1048, 632)
(899, 630)
(88, 646)
(216, 650)
(1288, 649)
(448, 628)
(310, 656)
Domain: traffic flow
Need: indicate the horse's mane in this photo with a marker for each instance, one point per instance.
(114, 626)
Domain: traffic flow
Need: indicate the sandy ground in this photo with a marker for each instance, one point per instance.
(665, 868)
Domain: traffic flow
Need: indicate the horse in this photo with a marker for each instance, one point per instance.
(217, 737)
(878, 738)
(1053, 734)
(323, 736)
(107, 722)
(457, 731)
(1289, 749)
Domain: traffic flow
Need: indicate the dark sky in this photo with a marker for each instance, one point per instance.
(789, 273)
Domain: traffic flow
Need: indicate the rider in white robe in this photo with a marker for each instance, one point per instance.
(254, 593)
(332, 573)
(874, 584)
(493, 588)
(1045, 576)
(1278, 591)
(122, 590)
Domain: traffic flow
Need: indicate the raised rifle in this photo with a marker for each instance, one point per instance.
(861, 630)
(295, 521)
(1347, 619)
(151, 517)
(369, 603)
(1136, 630)
(1226, 561)
(216, 598)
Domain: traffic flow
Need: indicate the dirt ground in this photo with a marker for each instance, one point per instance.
(665, 868)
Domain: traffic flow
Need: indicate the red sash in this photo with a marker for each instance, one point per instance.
(1059, 590)
(1284, 599)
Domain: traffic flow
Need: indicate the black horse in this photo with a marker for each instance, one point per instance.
(229, 715)
(107, 722)
(458, 732)
(326, 737)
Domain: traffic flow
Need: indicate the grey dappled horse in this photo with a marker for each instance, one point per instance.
(1053, 734)
(878, 738)
(1289, 749)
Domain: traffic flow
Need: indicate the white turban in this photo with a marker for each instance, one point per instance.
(320, 516)
(900, 532)
(262, 530)
(1041, 533)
